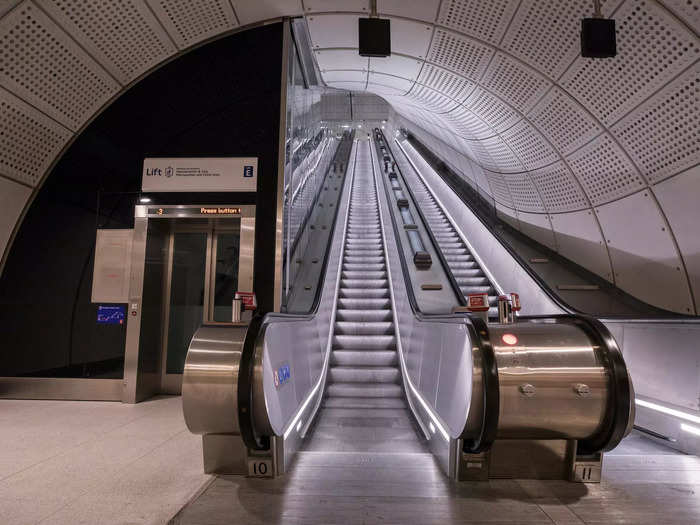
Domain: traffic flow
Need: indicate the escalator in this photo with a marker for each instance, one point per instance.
(368, 370)
(364, 369)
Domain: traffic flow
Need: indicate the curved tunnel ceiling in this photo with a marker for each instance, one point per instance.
(596, 158)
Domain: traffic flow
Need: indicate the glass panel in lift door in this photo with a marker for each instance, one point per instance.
(186, 296)
(225, 274)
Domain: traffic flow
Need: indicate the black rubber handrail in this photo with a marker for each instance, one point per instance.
(246, 370)
(620, 411)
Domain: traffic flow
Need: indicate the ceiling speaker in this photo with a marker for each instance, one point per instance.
(598, 38)
(375, 37)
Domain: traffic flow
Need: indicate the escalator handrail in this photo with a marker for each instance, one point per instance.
(254, 336)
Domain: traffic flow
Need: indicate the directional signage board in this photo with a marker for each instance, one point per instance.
(210, 174)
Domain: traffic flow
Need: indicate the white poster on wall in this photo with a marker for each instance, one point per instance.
(212, 174)
(112, 270)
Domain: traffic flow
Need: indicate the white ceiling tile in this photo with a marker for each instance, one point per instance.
(349, 76)
(564, 121)
(396, 65)
(124, 37)
(330, 6)
(410, 38)
(45, 67)
(29, 140)
(351, 86)
(514, 83)
(333, 30)
(384, 90)
(652, 48)
(463, 55)
(250, 11)
(425, 10)
(486, 20)
(329, 59)
(390, 80)
(644, 257)
(190, 22)
(662, 134)
(687, 10)
(604, 171)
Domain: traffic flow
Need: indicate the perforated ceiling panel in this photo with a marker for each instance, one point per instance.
(604, 171)
(484, 20)
(687, 10)
(529, 145)
(497, 87)
(558, 188)
(563, 121)
(190, 21)
(445, 82)
(663, 135)
(463, 55)
(524, 193)
(489, 108)
(45, 67)
(124, 36)
(29, 140)
(545, 34)
(515, 83)
(652, 48)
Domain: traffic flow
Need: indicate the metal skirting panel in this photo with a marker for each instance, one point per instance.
(69, 389)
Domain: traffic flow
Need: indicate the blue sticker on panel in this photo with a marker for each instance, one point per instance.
(282, 375)
(111, 314)
(247, 171)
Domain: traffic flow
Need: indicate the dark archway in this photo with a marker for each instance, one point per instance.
(220, 99)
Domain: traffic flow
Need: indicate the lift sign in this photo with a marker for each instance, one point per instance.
(111, 314)
(282, 375)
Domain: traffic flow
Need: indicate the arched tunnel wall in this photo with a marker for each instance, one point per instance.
(213, 101)
(595, 158)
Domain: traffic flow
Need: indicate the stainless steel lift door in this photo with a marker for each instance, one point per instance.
(203, 274)
(188, 265)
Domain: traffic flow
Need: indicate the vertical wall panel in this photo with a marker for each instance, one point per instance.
(578, 238)
(643, 255)
(536, 226)
(678, 196)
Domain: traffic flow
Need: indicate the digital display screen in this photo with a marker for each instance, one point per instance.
(111, 314)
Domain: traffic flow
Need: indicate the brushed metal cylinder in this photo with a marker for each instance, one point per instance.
(553, 383)
(210, 379)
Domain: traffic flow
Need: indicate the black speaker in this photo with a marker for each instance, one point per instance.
(598, 38)
(375, 37)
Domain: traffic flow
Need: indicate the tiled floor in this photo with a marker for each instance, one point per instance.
(644, 483)
(109, 463)
(67, 462)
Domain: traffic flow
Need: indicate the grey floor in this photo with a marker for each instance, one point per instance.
(380, 472)
(75, 462)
